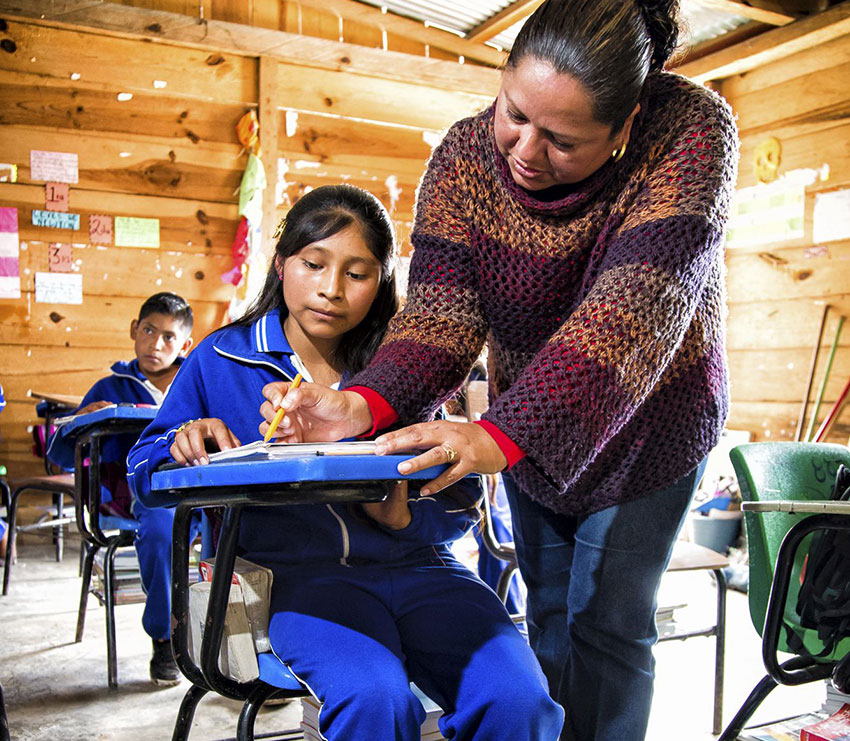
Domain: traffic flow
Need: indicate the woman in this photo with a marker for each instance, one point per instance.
(576, 226)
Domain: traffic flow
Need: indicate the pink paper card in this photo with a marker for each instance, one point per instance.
(8, 220)
(59, 258)
(100, 229)
(56, 196)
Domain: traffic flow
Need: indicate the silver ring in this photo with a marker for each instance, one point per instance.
(451, 453)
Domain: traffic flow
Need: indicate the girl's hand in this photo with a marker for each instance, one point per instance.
(314, 413)
(189, 446)
(94, 406)
(394, 511)
(467, 447)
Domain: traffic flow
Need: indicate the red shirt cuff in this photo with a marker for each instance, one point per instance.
(512, 452)
(383, 415)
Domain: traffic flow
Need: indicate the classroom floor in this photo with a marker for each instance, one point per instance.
(56, 689)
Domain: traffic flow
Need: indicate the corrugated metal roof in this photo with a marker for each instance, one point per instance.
(701, 21)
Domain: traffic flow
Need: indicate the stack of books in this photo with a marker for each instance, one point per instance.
(781, 730)
(246, 623)
(834, 699)
(128, 581)
(430, 731)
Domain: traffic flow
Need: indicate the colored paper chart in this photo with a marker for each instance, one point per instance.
(55, 219)
(10, 279)
(136, 232)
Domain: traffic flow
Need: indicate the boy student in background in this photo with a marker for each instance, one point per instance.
(365, 597)
(162, 337)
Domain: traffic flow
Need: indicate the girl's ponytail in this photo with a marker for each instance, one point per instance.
(661, 24)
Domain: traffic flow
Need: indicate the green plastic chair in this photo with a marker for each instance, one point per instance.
(784, 471)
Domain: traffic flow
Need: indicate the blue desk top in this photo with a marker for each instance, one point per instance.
(331, 468)
(120, 412)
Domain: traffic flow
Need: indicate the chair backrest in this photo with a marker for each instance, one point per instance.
(782, 471)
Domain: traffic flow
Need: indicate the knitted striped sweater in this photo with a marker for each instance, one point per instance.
(603, 309)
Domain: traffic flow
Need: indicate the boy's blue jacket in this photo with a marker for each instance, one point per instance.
(126, 385)
(223, 378)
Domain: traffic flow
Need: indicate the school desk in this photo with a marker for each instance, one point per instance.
(87, 433)
(309, 479)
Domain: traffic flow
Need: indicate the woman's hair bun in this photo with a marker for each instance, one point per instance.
(660, 17)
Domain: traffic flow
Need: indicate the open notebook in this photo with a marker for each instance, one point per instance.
(268, 451)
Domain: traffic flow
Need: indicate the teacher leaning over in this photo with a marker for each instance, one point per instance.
(576, 226)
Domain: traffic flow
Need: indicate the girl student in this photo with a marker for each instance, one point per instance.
(576, 226)
(366, 598)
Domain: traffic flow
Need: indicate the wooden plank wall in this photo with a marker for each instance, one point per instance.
(171, 152)
(777, 291)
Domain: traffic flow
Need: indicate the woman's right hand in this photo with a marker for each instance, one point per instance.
(314, 413)
(189, 446)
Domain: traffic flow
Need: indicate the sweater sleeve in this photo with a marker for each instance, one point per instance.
(441, 331)
(185, 400)
(647, 316)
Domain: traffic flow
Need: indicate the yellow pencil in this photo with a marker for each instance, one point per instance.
(296, 382)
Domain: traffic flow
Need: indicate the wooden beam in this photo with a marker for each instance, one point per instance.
(772, 16)
(269, 117)
(160, 26)
(505, 18)
(357, 11)
(770, 46)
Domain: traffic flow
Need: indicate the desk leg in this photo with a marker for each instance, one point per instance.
(719, 651)
(187, 712)
(88, 563)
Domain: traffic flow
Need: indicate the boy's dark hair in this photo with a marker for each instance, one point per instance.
(609, 46)
(171, 305)
(320, 214)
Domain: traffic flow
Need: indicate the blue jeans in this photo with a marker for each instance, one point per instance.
(153, 548)
(592, 583)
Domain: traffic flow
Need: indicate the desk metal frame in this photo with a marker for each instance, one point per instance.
(87, 483)
(234, 499)
(824, 515)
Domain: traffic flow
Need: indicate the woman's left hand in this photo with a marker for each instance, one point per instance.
(466, 447)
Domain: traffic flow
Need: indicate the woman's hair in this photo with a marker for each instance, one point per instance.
(609, 46)
(320, 214)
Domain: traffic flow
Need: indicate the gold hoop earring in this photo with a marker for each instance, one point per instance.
(617, 154)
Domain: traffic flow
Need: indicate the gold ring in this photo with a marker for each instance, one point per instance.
(451, 453)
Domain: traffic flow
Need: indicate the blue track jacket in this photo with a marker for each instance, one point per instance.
(126, 385)
(224, 377)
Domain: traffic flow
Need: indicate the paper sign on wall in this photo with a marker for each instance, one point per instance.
(831, 217)
(100, 229)
(55, 219)
(10, 280)
(136, 232)
(56, 196)
(59, 258)
(56, 167)
(59, 288)
(8, 172)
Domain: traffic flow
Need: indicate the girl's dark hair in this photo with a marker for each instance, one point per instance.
(609, 46)
(320, 214)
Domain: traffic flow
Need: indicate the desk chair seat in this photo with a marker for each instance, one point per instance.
(60, 486)
(784, 471)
